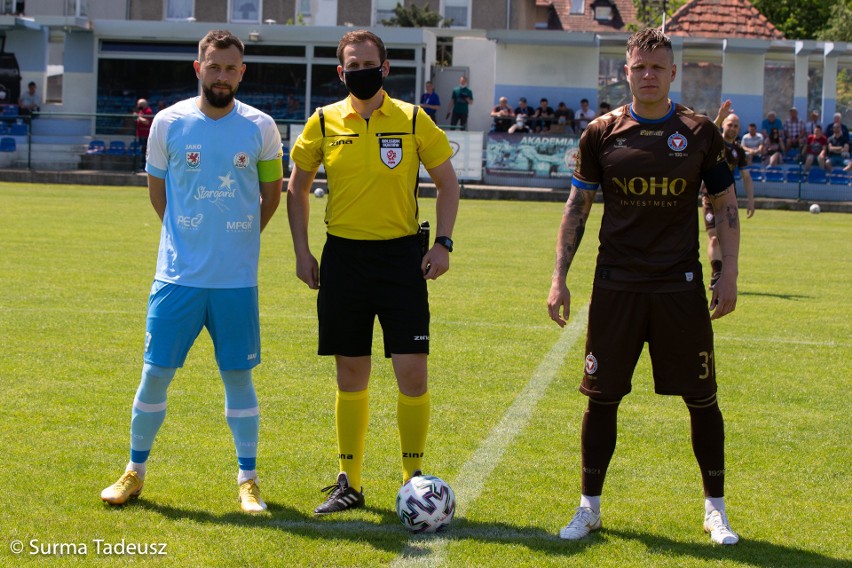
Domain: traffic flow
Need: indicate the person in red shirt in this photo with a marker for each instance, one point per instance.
(815, 147)
(143, 116)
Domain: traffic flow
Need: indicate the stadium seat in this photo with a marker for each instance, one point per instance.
(133, 148)
(839, 178)
(774, 174)
(817, 175)
(117, 148)
(7, 144)
(18, 129)
(757, 174)
(10, 110)
(96, 147)
(737, 175)
(795, 176)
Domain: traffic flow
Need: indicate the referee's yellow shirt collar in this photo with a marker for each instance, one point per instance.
(385, 109)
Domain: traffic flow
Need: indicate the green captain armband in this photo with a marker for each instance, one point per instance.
(270, 170)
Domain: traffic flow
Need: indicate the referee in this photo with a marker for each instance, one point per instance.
(373, 263)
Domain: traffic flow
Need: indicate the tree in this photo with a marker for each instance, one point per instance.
(416, 17)
(839, 26)
(650, 12)
(798, 19)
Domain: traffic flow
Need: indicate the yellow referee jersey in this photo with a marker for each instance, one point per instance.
(372, 166)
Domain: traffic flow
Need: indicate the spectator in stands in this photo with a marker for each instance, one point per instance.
(29, 102)
(752, 143)
(524, 109)
(774, 147)
(565, 118)
(543, 116)
(520, 125)
(771, 121)
(462, 99)
(143, 116)
(604, 108)
(430, 101)
(838, 148)
(838, 119)
(583, 116)
(503, 115)
(815, 149)
(794, 133)
(812, 121)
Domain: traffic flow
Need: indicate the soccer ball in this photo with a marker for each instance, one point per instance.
(319, 192)
(814, 208)
(426, 504)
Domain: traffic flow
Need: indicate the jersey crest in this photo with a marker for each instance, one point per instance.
(193, 159)
(241, 160)
(390, 151)
(677, 142)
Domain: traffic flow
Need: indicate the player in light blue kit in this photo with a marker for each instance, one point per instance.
(214, 178)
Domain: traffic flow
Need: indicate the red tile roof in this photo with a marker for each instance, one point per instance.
(721, 18)
(698, 18)
(561, 17)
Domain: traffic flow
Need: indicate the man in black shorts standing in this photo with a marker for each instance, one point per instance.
(649, 158)
(373, 263)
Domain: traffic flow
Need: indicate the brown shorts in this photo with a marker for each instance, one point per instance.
(675, 325)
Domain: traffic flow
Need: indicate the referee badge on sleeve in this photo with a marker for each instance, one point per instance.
(390, 150)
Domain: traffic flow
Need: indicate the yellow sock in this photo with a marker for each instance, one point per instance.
(352, 412)
(412, 416)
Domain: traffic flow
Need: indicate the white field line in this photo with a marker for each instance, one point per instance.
(474, 473)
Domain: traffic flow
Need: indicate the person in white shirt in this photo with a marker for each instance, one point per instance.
(752, 143)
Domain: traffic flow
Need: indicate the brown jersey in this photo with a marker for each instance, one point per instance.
(650, 172)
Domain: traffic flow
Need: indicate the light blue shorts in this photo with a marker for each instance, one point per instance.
(176, 315)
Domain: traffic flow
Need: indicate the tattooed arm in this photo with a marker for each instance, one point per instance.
(567, 240)
(724, 298)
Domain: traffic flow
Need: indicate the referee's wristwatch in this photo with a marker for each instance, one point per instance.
(445, 242)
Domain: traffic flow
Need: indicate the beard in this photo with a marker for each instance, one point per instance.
(218, 100)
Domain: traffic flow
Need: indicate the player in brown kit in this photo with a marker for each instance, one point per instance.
(649, 159)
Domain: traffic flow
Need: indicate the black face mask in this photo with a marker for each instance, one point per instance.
(364, 83)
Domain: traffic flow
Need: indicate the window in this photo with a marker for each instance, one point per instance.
(458, 11)
(77, 8)
(180, 9)
(303, 11)
(384, 10)
(578, 7)
(247, 11)
(612, 82)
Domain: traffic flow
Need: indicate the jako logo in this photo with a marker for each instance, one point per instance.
(652, 186)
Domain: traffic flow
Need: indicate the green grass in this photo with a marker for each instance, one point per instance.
(75, 271)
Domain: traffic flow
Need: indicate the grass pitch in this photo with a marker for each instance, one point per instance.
(75, 271)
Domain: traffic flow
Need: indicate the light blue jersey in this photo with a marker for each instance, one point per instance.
(211, 228)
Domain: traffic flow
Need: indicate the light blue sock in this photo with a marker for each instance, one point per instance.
(243, 415)
(149, 410)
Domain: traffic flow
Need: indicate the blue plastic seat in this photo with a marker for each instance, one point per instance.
(10, 110)
(7, 144)
(96, 147)
(757, 174)
(817, 175)
(774, 173)
(839, 178)
(117, 148)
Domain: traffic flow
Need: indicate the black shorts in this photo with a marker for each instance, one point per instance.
(676, 326)
(360, 280)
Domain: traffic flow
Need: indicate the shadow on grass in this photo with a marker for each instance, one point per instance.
(750, 552)
(779, 296)
(388, 535)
